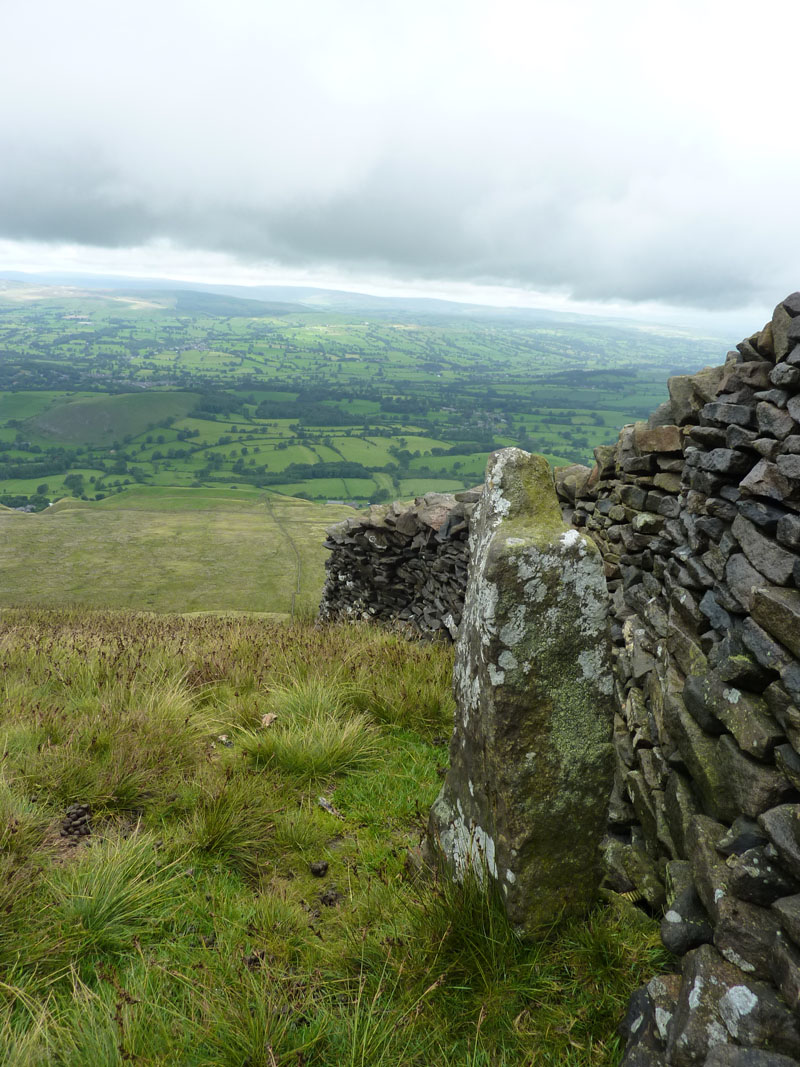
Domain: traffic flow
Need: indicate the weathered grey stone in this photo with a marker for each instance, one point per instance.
(685, 924)
(788, 911)
(778, 611)
(782, 827)
(785, 376)
(789, 466)
(662, 416)
(571, 481)
(785, 970)
(688, 393)
(723, 461)
(531, 764)
(728, 414)
(716, 704)
(761, 513)
(754, 786)
(774, 562)
(745, 935)
(788, 531)
(744, 834)
(766, 480)
(680, 807)
(742, 579)
(771, 655)
(699, 753)
(785, 332)
(753, 876)
(736, 1056)
(719, 1006)
(708, 866)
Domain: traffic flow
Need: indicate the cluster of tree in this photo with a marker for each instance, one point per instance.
(37, 501)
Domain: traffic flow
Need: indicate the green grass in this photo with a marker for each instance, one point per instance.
(168, 550)
(187, 928)
(103, 419)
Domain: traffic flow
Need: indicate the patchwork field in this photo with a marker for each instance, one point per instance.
(102, 390)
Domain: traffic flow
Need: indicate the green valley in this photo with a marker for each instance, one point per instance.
(101, 390)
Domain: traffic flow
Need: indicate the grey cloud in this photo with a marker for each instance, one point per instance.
(312, 150)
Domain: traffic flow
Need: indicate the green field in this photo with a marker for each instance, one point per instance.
(101, 391)
(169, 550)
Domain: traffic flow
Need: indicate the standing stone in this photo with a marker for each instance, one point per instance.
(531, 764)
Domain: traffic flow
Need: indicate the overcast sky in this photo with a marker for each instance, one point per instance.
(553, 151)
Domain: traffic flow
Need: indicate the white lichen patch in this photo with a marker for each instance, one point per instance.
(507, 660)
(738, 1002)
(673, 917)
(496, 677)
(732, 956)
(733, 696)
(594, 668)
(696, 992)
(513, 631)
(663, 1019)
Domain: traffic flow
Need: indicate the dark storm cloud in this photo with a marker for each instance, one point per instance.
(514, 144)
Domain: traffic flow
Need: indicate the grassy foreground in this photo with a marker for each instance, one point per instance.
(188, 928)
(152, 549)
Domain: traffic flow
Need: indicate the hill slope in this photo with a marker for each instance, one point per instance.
(169, 550)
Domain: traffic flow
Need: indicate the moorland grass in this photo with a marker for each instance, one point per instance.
(187, 928)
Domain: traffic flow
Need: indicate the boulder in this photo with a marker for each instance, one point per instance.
(525, 798)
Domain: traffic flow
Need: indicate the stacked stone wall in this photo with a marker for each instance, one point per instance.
(697, 517)
(402, 564)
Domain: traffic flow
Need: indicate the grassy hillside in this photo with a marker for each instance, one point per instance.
(175, 919)
(167, 549)
(100, 420)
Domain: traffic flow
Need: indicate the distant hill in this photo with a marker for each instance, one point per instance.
(105, 418)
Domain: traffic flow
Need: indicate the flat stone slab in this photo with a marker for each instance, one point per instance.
(531, 765)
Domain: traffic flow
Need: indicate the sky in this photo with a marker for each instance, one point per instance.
(581, 154)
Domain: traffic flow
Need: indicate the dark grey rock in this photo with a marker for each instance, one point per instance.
(726, 414)
(686, 924)
(782, 826)
(718, 1006)
(736, 1056)
(788, 911)
(755, 877)
(744, 834)
(788, 531)
(771, 655)
(785, 970)
(777, 610)
(716, 704)
(754, 786)
(768, 558)
(745, 934)
(766, 480)
(742, 579)
(789, 466)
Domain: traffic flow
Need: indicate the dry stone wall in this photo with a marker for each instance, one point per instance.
(400, 564)
(697, 516)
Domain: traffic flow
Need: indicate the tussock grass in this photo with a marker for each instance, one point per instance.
(316, 732)
(188, 928)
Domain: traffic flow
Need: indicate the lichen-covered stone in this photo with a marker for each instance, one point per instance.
(531, 767)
